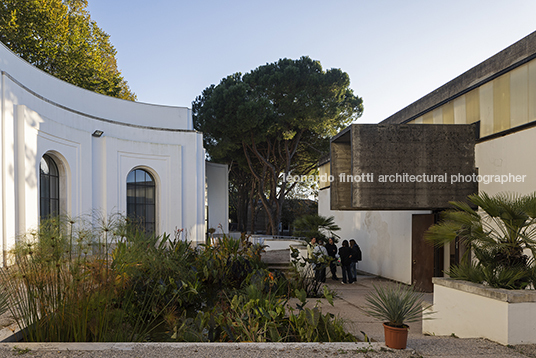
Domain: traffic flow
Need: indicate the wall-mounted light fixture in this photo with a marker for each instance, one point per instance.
(97, 133)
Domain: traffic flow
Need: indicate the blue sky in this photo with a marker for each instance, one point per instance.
(394, 51)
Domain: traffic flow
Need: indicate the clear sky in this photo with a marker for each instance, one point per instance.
(394, 51)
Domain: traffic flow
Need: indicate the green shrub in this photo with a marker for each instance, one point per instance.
(74, 281)
(497, 234)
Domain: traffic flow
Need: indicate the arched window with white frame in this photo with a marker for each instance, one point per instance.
(141, 199)
(49, 187)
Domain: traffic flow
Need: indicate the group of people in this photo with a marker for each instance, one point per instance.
(348, 255)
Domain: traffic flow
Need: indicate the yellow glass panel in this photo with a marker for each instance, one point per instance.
(460, 114)
(532, 90)
(324, 172)
(417, 120)
(501, 103)
(428, 118)
(519, 96)
(438, 115)
(472, 106)
(448, 113)
(486, 109)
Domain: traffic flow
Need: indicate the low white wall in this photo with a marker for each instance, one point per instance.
(473, 311)
(383, 236)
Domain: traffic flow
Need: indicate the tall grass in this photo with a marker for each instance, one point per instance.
(100, 279)
(63, 286)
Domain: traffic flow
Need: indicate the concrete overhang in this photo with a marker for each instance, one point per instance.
(402, 167)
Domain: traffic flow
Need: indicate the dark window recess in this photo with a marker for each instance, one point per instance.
(49, 188)
(141, 199)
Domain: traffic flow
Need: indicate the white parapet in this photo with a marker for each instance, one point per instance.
(470, 310)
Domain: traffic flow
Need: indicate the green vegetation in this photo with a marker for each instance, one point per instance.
(60, 38)
(498, 233)
(272, 122)
(73, 281)
(317, 226)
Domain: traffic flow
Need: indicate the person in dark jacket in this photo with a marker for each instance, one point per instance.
(345, 254)
(356, 257)
(332, 252)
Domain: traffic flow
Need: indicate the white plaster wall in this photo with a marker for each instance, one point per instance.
(469, 315)
(88, 102)
(510, 154)
(383, 236)
(218, 196)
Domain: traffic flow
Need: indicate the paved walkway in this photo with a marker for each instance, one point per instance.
(350, 297)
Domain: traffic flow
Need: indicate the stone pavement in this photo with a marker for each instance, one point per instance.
(353, 295)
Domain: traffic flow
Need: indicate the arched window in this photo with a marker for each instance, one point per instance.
(49, 187)
(141, 199)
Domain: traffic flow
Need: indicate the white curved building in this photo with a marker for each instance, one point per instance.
(54, 161)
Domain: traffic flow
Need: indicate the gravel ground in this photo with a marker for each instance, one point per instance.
(437, 347)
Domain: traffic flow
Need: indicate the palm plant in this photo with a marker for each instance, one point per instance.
(316, 226)
(498, 233)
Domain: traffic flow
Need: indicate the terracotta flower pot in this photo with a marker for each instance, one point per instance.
(395, 337)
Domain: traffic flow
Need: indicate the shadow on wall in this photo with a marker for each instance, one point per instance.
(378, 235)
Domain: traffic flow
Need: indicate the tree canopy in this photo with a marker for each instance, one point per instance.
(60, 38)
(280, 117)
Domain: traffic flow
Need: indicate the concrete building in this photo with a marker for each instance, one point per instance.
(497, 99)
(66, 150)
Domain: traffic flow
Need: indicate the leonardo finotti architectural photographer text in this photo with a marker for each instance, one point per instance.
(409, 178)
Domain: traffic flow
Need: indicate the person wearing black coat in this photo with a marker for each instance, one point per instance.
(345, 254)
(332, 252)
(356, 256)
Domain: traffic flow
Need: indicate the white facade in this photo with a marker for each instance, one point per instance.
(43, 115)
(500, 96)
(384, 237)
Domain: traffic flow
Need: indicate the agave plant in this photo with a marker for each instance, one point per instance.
(396, 305)
(498, 233)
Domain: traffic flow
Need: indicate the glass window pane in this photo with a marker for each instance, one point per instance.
(44, 166)
(131, 178)
(49, 187)
(149, 195)
(149, 179)
(52, 166)
(44, 208)
(54, 207)
(140, 211)
(45, 186)
(54, 188)
(131, 210)
(150, 214)
(140, 176)
(149, 228)
(141, 198)
(131, 194)
(140, 195)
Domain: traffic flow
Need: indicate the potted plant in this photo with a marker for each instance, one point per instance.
(396, 305)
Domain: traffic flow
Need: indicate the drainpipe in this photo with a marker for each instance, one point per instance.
(2, 171)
